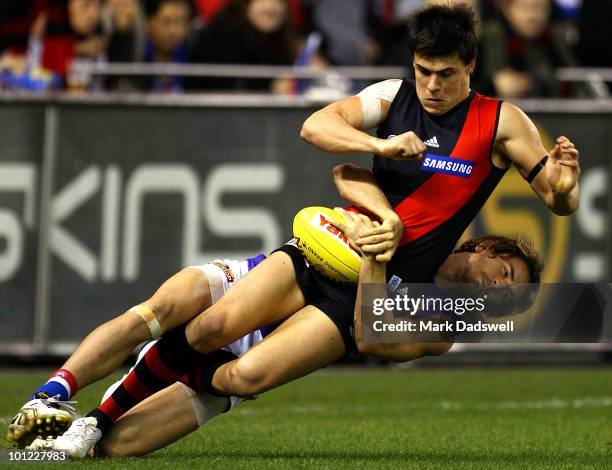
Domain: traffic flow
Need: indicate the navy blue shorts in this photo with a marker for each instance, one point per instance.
(335, 300)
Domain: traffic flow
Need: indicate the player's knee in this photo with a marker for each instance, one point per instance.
(132, 326)
(212, 330)
(143, 317)
(164, 304)
(246, 378)
(157, 313)
(206, 332)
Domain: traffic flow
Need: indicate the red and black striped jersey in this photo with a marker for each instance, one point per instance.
(438, 196)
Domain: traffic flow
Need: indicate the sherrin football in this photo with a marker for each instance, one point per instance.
(325, 247)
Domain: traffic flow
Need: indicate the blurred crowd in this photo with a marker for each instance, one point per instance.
(523, 42)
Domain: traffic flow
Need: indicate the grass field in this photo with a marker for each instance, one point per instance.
(350, 418)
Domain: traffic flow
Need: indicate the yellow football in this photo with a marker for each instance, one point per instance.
(326, 248)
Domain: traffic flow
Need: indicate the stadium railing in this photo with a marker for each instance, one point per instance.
(595, 78)
(232, 70)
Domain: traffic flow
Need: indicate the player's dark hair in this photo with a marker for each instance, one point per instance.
(151, 7)
(442, 30)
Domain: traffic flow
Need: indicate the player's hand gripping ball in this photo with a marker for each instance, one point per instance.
(325, 247)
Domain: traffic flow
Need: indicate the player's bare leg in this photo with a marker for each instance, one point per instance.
(157, 422)
(179, 299)
(305, 342)
(268, 295)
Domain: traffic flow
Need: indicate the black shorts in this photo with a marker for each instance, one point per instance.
(335, 300)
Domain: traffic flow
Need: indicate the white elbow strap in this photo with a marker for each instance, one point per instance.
(150, 318)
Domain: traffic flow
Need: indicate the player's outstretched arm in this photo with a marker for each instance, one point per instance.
(359, 188)
(557, 182)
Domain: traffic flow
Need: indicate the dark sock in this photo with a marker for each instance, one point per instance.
(104, 422)
(176, 353)
(165, 363)
(200, 378)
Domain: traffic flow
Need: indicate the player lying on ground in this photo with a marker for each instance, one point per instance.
(198, 409)
(186, 294)
(178, 300)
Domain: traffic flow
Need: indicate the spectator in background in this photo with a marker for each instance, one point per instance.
(157, 34)
(344, 27)
(22, 26)
(521, 50)
(85, 42)
(123, 22)
(363, 32)
(208, 9)
(246, 32)
(16, 17)
(168, 24)
(61, 32)
(388, 28)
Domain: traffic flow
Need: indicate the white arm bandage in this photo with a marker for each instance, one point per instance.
(371, 98)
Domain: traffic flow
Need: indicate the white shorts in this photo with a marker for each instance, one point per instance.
(221, 274)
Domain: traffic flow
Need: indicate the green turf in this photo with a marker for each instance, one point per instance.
(522, 418)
